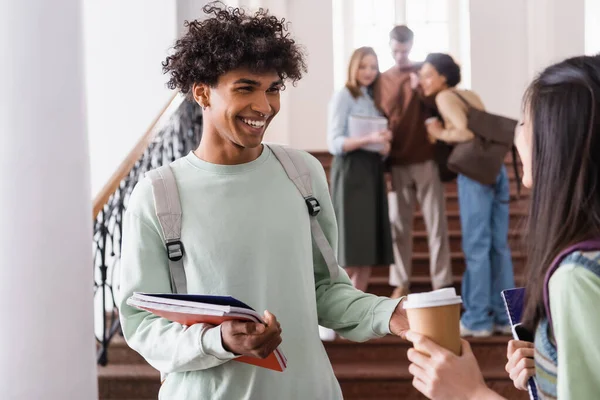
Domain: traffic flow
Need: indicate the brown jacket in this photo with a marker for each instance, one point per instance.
(406, 112)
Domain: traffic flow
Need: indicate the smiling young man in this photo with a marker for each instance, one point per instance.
(246, 230)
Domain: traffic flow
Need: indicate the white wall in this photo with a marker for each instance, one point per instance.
(125, 43)
(312, 27)
(189, 10)
(499, 61)
(556, 30)
(513, 40)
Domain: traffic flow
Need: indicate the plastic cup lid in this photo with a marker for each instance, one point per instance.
(437, 298)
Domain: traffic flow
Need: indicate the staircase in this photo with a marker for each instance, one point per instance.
(377, 369)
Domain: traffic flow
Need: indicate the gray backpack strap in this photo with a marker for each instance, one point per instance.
(168, 211)
(296, 169)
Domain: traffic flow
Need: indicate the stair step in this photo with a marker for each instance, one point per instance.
(490, 352)
(452, 202)
(451, 188)
(119, 352)
(379, 285)
(420, 243)
(326, 158)
(363, 378)
(517, 219)
(389, 380)
(128, 381)
(420, 263)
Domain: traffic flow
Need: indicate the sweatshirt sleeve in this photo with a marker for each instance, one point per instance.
(337, 121)
(353, 314)
(455, 118)
(574, 291)
(167, 346)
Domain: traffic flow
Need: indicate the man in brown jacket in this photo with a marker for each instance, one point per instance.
(414, 173)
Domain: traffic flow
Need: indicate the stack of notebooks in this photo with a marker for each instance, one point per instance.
(514, 301)
(360, 126)
(190, 309)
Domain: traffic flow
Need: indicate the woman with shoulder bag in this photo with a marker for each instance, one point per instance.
(484, 209)
(559, 144)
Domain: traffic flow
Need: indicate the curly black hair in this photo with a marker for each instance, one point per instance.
(446, 66)
(228, 40)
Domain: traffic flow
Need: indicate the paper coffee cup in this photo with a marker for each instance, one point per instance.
(436, 315)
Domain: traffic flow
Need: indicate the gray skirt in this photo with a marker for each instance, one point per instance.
(359, 197)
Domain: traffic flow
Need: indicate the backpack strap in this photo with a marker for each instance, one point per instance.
(516, 169)
(460, 96)
(296, 169)
(588, 245)
(168, 211)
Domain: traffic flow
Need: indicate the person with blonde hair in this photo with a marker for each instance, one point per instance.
(357, 175)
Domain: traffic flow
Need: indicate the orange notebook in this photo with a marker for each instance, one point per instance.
(189, 309)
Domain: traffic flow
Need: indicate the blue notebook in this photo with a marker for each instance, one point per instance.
(514, 301)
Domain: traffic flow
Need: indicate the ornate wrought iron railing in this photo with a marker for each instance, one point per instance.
(179, 135)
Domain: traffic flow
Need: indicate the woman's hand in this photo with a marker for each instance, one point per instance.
(434, 129)
(387, 134)
(380, 137)
(414, 80)
(521, 365)
(387, 146)
(444, 375)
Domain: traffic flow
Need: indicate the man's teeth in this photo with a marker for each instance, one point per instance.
(253, 123)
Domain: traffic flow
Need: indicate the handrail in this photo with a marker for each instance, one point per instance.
(172, 135)
(128, 163)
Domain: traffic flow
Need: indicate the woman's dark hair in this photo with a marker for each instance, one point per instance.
(355, 60)
(563, 105)
(229, 40)
(445, 65)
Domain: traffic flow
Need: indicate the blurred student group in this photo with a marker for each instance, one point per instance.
(390, 133)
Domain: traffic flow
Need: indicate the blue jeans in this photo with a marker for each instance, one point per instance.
(484, 218)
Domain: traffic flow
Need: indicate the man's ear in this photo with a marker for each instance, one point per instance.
(201, 93)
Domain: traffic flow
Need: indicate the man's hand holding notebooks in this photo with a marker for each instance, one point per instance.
(243, 330)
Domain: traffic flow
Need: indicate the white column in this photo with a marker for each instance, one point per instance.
(47, 348)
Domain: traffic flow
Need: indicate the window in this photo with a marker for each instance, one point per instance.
(429, 20)
(371, 24)
(439, 26)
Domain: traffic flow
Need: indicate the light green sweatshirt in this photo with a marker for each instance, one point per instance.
(574, 301)
(246, 233)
